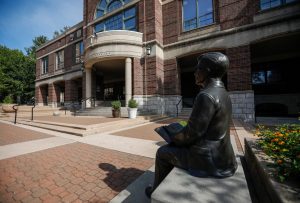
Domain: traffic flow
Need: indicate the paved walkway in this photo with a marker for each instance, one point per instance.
(38, 165)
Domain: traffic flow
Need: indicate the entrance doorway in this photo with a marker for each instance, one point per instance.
(275, 76)
(109, 82)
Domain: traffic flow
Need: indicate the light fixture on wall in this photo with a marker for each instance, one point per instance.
(148, 50)
(82, 68)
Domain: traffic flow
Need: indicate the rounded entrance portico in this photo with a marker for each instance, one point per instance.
(108, 64)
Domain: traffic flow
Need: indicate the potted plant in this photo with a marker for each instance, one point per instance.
(8, 104)
(132, 108)
(116, 108)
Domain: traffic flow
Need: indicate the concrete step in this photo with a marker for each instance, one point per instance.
(83, 130)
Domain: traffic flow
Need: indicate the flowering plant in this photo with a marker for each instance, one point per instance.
(282, 145)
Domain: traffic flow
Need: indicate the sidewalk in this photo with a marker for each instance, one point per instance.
(38, 165)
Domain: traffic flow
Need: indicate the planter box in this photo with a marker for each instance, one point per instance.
(266, 187)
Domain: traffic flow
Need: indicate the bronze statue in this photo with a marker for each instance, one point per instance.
(203, 147)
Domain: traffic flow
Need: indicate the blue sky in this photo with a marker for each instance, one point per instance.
(22, 20)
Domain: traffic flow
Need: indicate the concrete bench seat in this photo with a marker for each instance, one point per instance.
(181, 187)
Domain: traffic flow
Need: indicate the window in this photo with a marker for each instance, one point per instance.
(59, 60)
(267, 4)
(45, 65)
(78, 51)
(197, 13)
(78, 33)
(107, 6)
(125, 20)
(272, 76)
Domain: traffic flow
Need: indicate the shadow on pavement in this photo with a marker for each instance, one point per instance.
(119, 179)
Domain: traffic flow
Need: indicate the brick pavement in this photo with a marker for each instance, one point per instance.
(70, 173)
(10, 134)
(146, 131)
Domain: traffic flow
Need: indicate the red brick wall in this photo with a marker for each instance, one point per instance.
(140, 17)
(235, 13)
(52, 96)
(138, 76)
(158, 21)
(89, 12)
(171, 77)
(51, 61)
(160, 76)
(38, 95)
(239, 72)
(171, 21)
(71, 93)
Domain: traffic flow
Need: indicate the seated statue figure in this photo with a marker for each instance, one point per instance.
(203, 146)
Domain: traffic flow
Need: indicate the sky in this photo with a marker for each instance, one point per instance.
(23, 20)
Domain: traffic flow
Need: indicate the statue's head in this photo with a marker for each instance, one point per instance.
(211, 65)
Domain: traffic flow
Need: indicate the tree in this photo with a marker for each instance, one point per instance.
(16, 74)
(61, 31)
(37, 42)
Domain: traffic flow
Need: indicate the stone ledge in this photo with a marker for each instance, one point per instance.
(268, 190)
(181, 187)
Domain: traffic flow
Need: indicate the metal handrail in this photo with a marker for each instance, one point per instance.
(16, 110)
(178, 105)
(32, 110)
(93, 99)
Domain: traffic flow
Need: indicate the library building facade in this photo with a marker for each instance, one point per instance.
(147, 50)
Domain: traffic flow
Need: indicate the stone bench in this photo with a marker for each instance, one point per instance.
(181, 187)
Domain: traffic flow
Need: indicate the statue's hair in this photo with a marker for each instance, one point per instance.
(214, 63)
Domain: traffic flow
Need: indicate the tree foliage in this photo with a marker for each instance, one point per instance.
(17, 74)
(61, 31)
(36, 42)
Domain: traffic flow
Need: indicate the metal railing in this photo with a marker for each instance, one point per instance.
(73, 103)
(32, 110)
(177, 106)
(16, 110)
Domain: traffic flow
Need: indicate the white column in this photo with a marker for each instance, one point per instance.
(88, 86)
(128, 80)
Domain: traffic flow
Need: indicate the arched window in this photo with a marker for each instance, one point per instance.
(197, 13)
(124, 20)
(107, 6)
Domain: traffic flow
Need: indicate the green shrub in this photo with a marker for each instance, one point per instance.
(282, 145)
(8, 100)
(132, 103)
(116, 104)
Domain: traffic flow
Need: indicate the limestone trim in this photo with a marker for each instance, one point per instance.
(113, 44)
(60, 77)
(234, 37)
(244, 28)
(72, 29)
(60, 48)
(163, 2)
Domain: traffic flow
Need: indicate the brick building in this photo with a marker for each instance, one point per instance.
(146, 49)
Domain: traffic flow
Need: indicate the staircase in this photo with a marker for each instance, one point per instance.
(83, 130)
(100, 111)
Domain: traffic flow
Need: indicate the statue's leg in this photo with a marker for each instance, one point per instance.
(166, 158)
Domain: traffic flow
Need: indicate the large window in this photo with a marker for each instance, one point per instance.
(197, 13)
(267, 4)
(107, 6)
(125, 20)
(78, 51)
(45, 65)
(59, 60)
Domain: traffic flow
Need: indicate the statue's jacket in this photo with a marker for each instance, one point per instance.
(207, 135)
